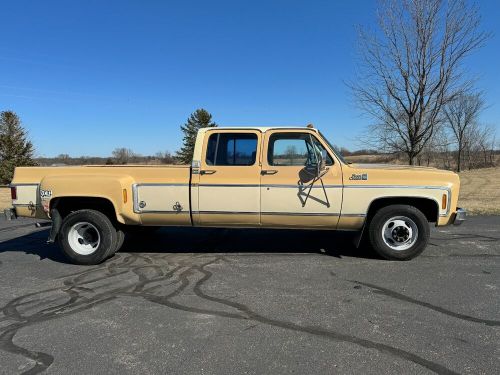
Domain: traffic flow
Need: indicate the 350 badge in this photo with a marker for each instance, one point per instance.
(45, 194)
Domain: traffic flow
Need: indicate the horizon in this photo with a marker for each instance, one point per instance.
(89, 78)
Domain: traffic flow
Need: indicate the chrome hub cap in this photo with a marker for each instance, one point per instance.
(84, 238)
(400, 233)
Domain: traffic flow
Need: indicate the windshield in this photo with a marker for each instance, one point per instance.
(337, 153)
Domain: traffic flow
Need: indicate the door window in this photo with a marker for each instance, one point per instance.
(231, 149)
(300, 149)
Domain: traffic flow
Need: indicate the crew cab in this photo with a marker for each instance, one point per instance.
(255, 177)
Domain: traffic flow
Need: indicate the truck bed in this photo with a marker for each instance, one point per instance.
(138, 192)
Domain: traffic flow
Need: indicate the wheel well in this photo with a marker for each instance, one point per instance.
(427, 206)
(66, 205)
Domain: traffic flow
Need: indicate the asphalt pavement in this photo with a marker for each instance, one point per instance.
(215, 301)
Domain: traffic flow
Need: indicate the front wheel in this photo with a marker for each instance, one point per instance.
(399, 232)
(87, 237)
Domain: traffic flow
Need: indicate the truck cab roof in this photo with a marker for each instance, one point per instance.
(262, 129)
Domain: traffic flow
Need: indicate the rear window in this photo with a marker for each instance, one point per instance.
(231, 149)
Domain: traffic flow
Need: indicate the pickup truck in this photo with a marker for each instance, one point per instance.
(255, 177)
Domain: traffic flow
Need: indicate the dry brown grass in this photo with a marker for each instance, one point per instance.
(479, 192)
(5, 201)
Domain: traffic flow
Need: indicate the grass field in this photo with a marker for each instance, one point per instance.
(479, 193)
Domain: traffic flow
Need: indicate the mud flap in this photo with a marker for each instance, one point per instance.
(56, 225)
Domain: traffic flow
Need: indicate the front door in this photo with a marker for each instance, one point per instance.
(292, 192)
(229, 180)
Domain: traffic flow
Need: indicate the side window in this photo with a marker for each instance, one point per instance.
(231, 149)
(294, 149)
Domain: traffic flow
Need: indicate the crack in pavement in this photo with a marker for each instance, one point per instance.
(159, 279)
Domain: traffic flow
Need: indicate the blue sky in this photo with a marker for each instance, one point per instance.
(89, 76)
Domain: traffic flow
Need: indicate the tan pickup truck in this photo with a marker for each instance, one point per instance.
(241, 177)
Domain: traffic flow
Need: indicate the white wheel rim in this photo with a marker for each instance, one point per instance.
(400, 233)
(84, 238)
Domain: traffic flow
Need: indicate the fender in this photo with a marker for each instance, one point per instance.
(110, 187)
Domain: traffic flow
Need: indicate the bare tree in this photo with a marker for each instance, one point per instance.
(479, 146)
(437, 150)
(123, 155)
(412, 66)
(460, 114)
(165, 157)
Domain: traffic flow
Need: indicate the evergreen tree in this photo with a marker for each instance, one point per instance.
(15, 148)
(198, 119)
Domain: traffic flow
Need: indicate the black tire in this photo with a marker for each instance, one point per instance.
(97, 227)
(399, 233)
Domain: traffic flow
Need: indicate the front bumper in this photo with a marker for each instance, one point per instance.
(460, 216)
(10, 214)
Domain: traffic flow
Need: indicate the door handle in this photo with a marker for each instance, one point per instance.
(207, 171)
(268, 171)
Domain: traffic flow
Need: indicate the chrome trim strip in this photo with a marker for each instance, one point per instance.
(279, 186)
(265, 213)
(229, 185)
(135, 199)
(353, 215)
(301, 213)
(162, 184)
(23, 184)
(266, 186)
(397, 187)
(163, 212)
(226, 212)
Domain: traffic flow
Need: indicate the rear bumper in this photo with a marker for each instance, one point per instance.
(460, 216)
(10, 214)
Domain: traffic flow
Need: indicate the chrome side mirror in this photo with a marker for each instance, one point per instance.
(322, 161)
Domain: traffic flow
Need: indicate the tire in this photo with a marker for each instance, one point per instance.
(399, 232)
(87, 237)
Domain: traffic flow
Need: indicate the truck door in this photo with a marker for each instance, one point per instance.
(229, 180)
(293, 194)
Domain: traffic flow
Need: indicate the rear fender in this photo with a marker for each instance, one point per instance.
(110, 188)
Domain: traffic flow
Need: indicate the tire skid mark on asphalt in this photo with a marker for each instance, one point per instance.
(160, 279)
(390, 293)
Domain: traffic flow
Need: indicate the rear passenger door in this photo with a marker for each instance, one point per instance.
(229, 179)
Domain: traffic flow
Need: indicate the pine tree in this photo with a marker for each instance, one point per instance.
(198, 119)
(15, 148)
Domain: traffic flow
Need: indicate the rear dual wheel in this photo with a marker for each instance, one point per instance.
(89, 237)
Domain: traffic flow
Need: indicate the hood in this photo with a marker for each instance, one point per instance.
(393, 174)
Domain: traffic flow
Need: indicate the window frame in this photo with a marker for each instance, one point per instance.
(235, 134)
(270, 148)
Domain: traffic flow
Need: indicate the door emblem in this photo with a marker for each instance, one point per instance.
(177, 207)
(357, 177)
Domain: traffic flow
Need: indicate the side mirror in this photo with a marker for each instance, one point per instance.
(322, 161)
